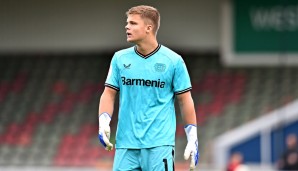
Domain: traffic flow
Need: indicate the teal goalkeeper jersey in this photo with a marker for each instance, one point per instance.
(147, 86)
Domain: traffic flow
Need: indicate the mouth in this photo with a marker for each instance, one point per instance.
(128, 34)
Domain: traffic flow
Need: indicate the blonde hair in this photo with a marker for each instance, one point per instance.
(147, 12)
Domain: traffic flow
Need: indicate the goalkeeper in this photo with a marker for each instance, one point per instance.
(148, 77)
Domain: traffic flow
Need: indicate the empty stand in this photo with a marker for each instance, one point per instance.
(49, 103)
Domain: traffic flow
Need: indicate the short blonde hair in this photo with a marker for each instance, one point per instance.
(147, 12)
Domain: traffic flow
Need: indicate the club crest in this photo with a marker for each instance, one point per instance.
(159, 67)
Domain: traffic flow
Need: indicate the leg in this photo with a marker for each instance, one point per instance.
(127, 160)
(158, 158)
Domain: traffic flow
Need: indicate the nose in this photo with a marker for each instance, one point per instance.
(126, 27)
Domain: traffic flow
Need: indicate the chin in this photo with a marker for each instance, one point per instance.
(130, 40)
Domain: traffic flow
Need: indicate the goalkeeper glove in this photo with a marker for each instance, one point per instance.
(191, 149)
(104, 130)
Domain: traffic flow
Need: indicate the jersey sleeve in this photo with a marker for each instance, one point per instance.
(181, 80)
(112, 80)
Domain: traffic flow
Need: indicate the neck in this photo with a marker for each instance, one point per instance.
(147, 47)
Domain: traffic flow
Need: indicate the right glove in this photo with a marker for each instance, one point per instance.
(104, 120)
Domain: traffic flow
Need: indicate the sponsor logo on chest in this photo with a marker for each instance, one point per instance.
(142, 82)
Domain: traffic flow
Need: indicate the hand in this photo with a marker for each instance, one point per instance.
(191, 149)
(104, 130)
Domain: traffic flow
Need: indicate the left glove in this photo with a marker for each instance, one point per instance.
(191, 149)
(104, 120)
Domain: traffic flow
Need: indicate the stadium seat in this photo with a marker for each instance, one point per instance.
(49, 104)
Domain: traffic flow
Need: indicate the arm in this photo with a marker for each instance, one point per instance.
(105, 112)
(189, 117)
(187, 108)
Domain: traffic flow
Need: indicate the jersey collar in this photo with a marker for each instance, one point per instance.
(149, 54)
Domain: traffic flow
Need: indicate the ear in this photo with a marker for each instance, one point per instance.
(149, 28)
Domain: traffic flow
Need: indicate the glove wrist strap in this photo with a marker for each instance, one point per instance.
(104, 118)
(191, 132)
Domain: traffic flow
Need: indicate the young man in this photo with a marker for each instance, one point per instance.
(149, 77)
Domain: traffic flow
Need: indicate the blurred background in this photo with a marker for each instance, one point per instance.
(242, 56)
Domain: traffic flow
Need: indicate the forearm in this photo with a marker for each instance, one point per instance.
(187, 109)
(106, 103)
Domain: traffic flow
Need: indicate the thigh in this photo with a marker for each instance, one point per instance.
(127, 160)
(158, 158)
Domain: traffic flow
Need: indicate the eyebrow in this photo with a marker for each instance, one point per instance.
(131, 21)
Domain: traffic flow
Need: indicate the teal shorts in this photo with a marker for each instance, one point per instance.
(146, 159)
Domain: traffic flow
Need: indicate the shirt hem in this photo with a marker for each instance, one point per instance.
(141, 147)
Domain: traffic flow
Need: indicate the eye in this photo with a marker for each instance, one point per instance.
(133, 23)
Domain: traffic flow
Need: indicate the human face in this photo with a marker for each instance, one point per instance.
(136, 28)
